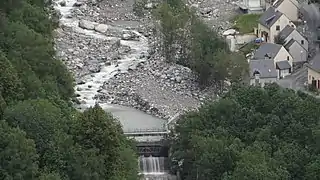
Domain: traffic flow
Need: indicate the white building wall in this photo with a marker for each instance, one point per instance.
(298, 37)
(299, 54)
(263, 81)
(284, 73)
(282, 22)
(283, 55)
(289, 8)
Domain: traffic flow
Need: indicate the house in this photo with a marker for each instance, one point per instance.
(283, 69)
(289, 33)
(314, 72)
(278, 54)
(297, 51)
(269, 3)
(288, 7)
(271, 23)
(262, 71)
(252, 6)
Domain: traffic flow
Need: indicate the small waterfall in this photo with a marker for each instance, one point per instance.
(155, 168)
(153, 165)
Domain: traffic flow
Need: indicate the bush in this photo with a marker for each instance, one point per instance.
(250, 133)
(186, 40)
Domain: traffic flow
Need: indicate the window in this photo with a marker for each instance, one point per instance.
(288, 58)
(302, 42)
(278, 28)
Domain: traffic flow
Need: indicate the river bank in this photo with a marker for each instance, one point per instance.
(107, 61)
(113, 57)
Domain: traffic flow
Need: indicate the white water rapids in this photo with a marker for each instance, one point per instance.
(152, 167)
(96, 80)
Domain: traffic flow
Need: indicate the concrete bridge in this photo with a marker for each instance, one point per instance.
(152, 141)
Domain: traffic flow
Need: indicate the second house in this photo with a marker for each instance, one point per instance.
(271, 23)
(283, 61)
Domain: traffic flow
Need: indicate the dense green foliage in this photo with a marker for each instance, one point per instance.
(250, 134)
(188, 41)
(42, 136)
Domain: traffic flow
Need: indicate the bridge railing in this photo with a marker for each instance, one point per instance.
(144, 130)
(146, 139)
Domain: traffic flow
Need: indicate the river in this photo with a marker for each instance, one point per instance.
(130, 118)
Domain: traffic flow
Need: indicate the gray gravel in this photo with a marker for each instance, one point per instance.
(155, 87)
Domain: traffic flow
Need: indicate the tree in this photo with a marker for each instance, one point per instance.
(172, 22)
(255, 164)
(39, 118)
(98, 130)
(10, 85)
(41, 138)
(36, 18)
(44, 123)
(50, 176)
(250, 133)
(188, 41)
(30, 52)
(17, 154)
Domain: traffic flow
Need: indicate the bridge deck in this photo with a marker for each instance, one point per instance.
(145, 133)
(147, 138)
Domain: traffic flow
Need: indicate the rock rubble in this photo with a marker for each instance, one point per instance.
(153, 86)
(216, 13)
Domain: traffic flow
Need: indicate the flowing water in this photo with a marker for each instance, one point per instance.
(152, 168)
(155, 168)
(153, 165)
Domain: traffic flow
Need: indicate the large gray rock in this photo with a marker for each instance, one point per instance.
(77, 4)
(87, 24)
(63, 3)
(130, 35)
(101, 28)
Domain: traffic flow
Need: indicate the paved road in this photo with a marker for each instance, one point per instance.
(296, 80)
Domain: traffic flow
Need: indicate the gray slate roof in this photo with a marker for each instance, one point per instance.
(286, 31)
(269, 17)
(283, 65)
(292, 41)
(315, 63)
(269, 49)
(277, 4)
(265, 67)
(288, 44)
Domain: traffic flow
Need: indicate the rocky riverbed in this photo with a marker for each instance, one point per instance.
(105, 45)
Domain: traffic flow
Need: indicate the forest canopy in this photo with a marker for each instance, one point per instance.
(42, 137)
(250, 134)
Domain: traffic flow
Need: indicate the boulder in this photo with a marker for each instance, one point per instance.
(101, 28)
(130, 35)
(77, 4)
(87, 24)
(63, 3)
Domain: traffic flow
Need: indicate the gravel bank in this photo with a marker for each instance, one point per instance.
(104, 45)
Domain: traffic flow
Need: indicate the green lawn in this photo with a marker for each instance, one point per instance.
(246, 22)
(248, 48)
